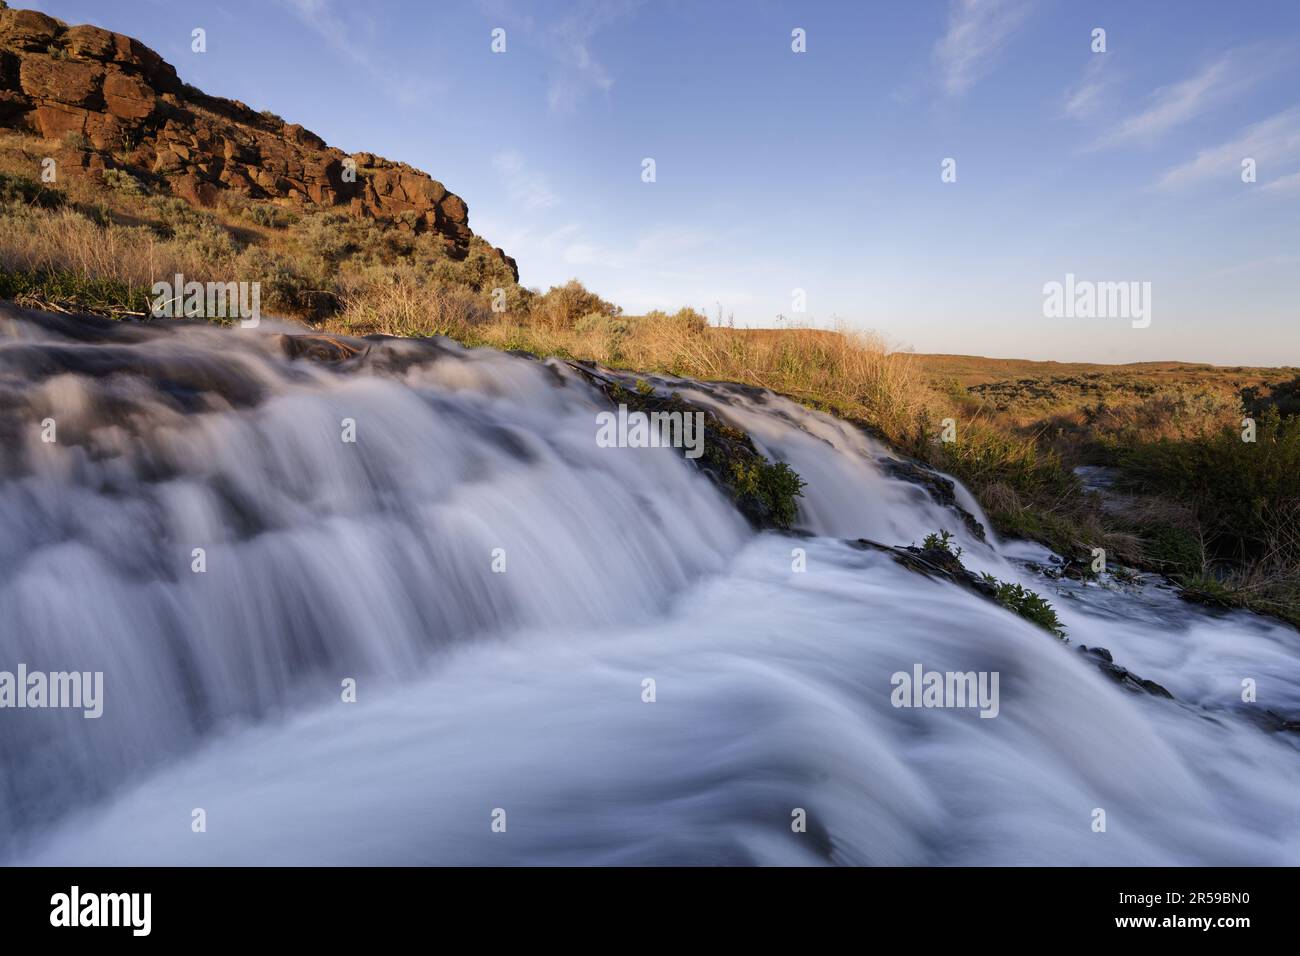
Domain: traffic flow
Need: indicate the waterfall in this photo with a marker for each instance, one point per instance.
(234, 536)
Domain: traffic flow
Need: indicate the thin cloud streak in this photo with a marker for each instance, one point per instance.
(524, 186)
(567, 42)
(1085, 100)
(978, 30)
(324, 19)
(1175, 104)
(1274, 142)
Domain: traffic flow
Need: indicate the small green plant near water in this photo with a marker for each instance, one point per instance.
(1208, 590)
(776, 484)
(765, 491)
(1028, 604)
(72, 289)
(942, 541)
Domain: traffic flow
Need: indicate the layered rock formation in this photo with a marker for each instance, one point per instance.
(113, 102)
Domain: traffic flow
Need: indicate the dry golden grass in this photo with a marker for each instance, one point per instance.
(849, 372)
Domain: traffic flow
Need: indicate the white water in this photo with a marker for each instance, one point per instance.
(522, 690)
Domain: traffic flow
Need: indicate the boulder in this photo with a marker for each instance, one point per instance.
(128, 97)
(55, 121)
(90, 43)
(27, 29)
(70, 82)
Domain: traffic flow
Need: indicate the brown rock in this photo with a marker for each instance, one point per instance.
(55, 121)
(128, 97)
(64, 81)
(321, 348)
(90, 42)
(237, 179)
(105, 131)
(27, 29)
(160, 73)
(454, 208)
(194, 190)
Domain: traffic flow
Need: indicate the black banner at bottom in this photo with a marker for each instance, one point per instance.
(336, 905)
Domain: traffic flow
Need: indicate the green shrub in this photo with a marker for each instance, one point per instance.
(207, 240)
(284, 288)
(1028, 604)
(940, 542)
(123, 182)
(76, 140)
(73, 289)
(28, 192)
(1234, 486)
(271, 215)
(1285, 396)
(564, 305)
(1173, 549)
(775, 484)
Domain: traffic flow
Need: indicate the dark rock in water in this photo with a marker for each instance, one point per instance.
(1122, 675)
(80, 328)
(1268, 720)
(762, 491)
(322, 348)
(933, 562)
(1100, 652)
(941, 563)
(101, 348)
(941, 489)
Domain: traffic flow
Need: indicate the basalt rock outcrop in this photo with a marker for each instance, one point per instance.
(107, 101)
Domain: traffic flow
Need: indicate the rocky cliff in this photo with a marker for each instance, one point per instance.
(111, 102)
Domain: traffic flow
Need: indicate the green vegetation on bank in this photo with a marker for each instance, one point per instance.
(1030, 605)
(764, 491)
(1022, 601)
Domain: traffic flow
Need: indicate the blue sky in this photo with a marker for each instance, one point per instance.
(820, 171)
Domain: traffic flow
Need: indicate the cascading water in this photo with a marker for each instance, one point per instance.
(501, 588)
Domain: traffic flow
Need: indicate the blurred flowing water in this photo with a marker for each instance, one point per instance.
(522, 691)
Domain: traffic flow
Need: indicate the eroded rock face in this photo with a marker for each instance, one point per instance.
(65, 83)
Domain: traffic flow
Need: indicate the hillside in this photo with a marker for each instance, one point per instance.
(111, 103)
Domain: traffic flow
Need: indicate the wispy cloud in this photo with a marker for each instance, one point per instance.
(1272, 143)
(671, 258)
(1281, 261)
(352, 36)
(1284, 184)
(526, 187)
(1085, 100)
(566, 40)
(978, 30)
(669, 251)
(1173, 105)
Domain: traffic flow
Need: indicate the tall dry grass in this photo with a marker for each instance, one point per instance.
(845, 371)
